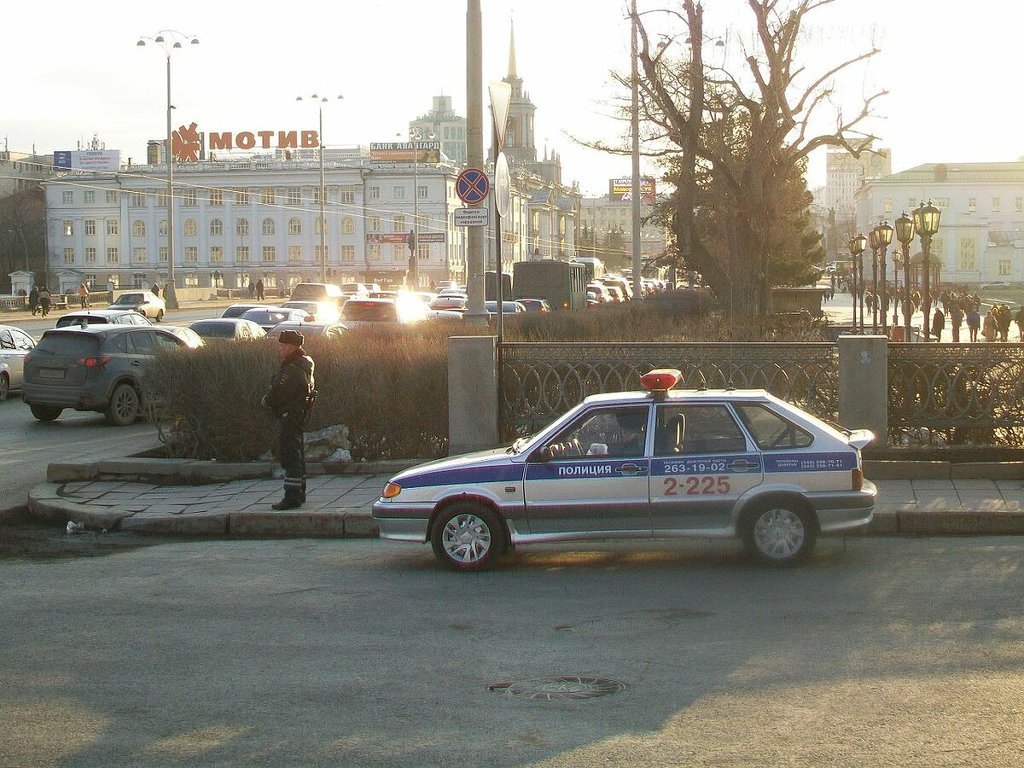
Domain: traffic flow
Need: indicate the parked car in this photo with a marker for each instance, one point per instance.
(144, 302)
(95, 368)
(192, 339)
(321, 311)
(268, 317)
(107, 316)
(332, 330)
(15, 344)
(660, 463)
(455, 302)
(535, 305)
(325, 292)
(507, 307)
(237, 310)
(355, 290)
(228, 328)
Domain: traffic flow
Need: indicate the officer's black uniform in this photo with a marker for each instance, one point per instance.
(289, 394)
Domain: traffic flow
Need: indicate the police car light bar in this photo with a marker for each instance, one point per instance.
(661, 379)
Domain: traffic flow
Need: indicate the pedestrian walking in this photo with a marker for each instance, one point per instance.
(938, 323)
(1019, 319)
(33, 299)
(289, 399)
(988, 327)
(83, 295)
(973, 323)
(956, 319)
(259, 290)
(44, 301)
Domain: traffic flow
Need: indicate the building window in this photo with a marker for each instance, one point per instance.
(113, 226)
(294, 196)
(89, 197)
(294, 253)
(348, 253)
(191, 254)
(113, 281)
(887, 205)
(162, 228)
(138, 228)
(241, 197)
(216, 227)
(374, 223)
(318, 226)
(316, 195)
(161, 198)
(217, 197)
(161, 254)
(188, 198)
(972, 204)
(348, 195)
(242, 227)
(421, 193)
(1018, 204)
(216, 254)
(67, 197)
(294, 226)
(398, 193)
(69, 228)
(191, 279)
(242, 254)
(321, 256)
(138, 200)
(113, 257)
(139, 254)
(138, 279)
(69, 255)
(398, 225)
(267, 196)
(112, 197)
(1004, 267)
(373, 193)
(268, 227)
(373, 252)
(90, 227)
(967, 255)
(90, 255)
(997, 207)
(348, 226)
(269, 254)
(191, 229)
(397, 253)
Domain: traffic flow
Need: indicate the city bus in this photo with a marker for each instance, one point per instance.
(562, 283)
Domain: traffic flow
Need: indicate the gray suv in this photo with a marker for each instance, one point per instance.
(96, 368)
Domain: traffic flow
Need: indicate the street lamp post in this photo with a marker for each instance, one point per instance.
(873, 245)
(857, 245)
(926, 222)
(905, 234)
(415, 136)
(897, 260)
(321, 100)
(883, 236)
(169, 40)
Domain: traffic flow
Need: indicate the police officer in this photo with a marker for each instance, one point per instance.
(288, 399)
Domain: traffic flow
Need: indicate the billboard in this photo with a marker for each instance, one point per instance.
(405, 151)
(622, 189)
(89, 160)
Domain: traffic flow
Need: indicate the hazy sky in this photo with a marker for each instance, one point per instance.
(72, 69)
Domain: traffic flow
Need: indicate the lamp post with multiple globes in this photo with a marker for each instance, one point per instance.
(926, 222)
(905, 234)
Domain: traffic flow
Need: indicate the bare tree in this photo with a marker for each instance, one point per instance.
(741, 141)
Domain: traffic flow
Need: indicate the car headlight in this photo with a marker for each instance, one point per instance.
(391, 490)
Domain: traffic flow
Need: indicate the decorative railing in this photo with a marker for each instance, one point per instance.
(956, 395)
(541, 381)
(940, 395)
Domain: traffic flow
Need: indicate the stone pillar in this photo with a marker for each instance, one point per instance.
(864, 385)
(472, 393)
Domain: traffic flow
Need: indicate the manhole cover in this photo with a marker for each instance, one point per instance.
(566, 687)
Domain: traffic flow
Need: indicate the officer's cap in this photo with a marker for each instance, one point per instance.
(291, 337)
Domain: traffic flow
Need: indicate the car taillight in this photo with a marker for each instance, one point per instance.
(97, 361)
(858, 479)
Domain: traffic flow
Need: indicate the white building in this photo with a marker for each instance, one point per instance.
(981, 232)
(611, 213)
(243, 220)
(443, 124)
(845, 174)
(21, 170)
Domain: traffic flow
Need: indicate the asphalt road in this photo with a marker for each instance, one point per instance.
(366, 653)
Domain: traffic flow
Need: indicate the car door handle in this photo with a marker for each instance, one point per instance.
(136, 362)
(632, 469)
(743, 464)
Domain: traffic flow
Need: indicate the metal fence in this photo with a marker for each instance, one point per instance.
(940, 395)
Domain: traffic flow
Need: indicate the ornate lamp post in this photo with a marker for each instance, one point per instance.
(170, 40)
(857, 246)
(883, 235)
(926, 222)
(905, 234)
(416, 136)
(873, 245)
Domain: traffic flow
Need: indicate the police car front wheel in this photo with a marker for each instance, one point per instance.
(779, 532)
(468, 537)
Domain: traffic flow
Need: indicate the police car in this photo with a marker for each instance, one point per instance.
(655, 464)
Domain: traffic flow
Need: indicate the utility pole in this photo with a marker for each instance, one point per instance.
(475, 155)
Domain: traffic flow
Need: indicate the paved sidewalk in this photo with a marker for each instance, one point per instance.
(190, 499)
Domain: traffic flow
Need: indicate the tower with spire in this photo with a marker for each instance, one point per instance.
(520, 145)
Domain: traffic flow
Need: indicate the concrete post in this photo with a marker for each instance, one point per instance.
(472, 393)
(864, 384)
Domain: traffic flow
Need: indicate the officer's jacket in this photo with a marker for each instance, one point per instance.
(290, 387)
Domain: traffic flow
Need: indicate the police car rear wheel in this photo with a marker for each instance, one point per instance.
(468, 537)
(779, 533)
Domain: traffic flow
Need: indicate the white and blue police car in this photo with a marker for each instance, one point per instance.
(661, 463)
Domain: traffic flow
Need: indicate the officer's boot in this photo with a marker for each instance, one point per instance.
(293, 496)
(302, 491)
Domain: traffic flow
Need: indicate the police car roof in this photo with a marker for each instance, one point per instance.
(682, 394)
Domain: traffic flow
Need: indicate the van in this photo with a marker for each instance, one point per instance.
(326, 292)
